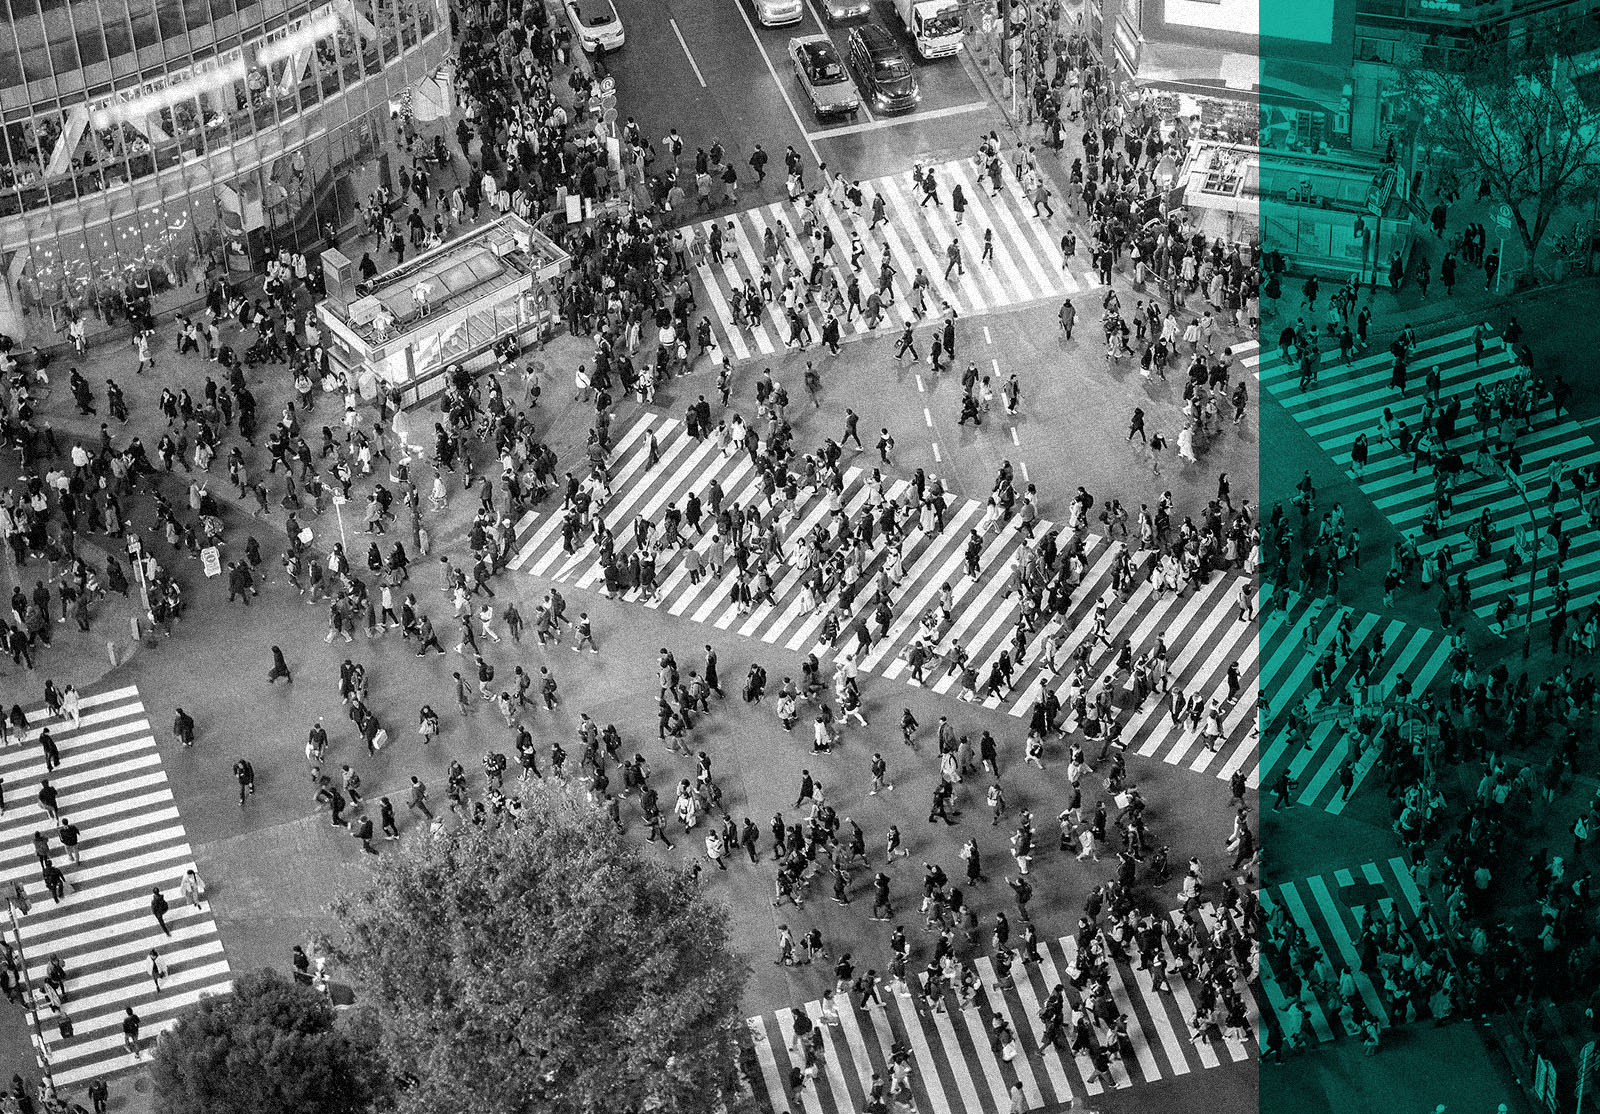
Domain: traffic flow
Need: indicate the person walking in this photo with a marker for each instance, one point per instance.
(192, 888)
(130, 1032)
(386, 819)
(280, 668)
(52, 753)
(417, 797)
(158, 969)
(47, 799)
(363, 834)
(245, 774)
(158, 908)
(183, 727)
(67, 832)
(906, 343)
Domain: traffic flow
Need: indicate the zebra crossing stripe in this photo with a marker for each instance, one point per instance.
(915, 236)
(1294, 636)
(957, 1066)
(1330, 925)
(1202, 627)
(112, 786)
(1351, 401)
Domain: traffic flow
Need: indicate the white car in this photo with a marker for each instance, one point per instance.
(839, 11)
(779, 13)
(597, 24)
(821, 75)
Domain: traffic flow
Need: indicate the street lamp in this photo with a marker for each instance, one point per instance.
(1533, 565)
(31, 999)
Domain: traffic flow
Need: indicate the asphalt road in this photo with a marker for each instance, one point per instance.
(709, 69)
(272, 864)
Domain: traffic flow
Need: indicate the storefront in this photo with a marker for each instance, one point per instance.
(138, 159)
(406, 328)
(1334, 215)
(1217, 186)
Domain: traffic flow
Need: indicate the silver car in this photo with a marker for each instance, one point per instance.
(597, 25)
(779, 13)
(822, 75)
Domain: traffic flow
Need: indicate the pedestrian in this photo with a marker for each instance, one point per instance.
(67, 833)
(158, 969)
(55, 883)
(52, 753)
(386, 819)
(130, 1032)
(158, 908)
(280, 668)
(183, 728)
(417, 797)
(192, 888)
(245, 774)
(584, 632)
(363, 834)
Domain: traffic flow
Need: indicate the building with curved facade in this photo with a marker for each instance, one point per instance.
(143, 142)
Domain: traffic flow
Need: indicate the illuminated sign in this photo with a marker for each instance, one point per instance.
(217, 72)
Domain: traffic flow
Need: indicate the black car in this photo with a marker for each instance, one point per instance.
(882, 70)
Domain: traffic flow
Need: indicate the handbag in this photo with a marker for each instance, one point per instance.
(1008, 1051)
(381, 739)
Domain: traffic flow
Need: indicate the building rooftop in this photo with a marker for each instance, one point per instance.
(461, 271)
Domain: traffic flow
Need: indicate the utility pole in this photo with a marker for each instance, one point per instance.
(1533, 564)
(32, 1000)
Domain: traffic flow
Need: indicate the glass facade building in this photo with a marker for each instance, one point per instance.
(143, 142)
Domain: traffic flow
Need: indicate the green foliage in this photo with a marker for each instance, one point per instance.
(546, 966)
(271, 1046)
(1523, 119)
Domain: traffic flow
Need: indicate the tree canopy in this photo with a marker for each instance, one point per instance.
(1514, 112)
(271, 1046)
(543, 964)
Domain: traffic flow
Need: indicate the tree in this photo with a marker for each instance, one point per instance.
(270, 1046)
(539, 963)
(1515, 114)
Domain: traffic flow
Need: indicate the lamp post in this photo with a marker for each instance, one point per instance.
(1533, 564)
(28, 995)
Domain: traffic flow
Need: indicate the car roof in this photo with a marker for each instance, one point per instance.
(876, 40)
(810, 41)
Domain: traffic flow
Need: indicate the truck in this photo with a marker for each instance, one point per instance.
(934, 26)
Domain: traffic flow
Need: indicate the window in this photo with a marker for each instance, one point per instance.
(146, 31)
(29, 26)
(114, 22)
(91, 39)
(63, 42)
(10, 60)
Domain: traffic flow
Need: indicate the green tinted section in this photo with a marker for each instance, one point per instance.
(1430, 562)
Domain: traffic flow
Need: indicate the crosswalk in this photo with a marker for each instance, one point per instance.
(1330, 909)
(111, 785)
(957, 1069)
(1299, 637)
(1202, 629)
(1350, 400)
(1282, 650)
(1026, 264)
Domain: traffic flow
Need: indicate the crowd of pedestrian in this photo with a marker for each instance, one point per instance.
(100, 511)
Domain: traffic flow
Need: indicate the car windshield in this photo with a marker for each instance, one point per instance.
(597, 15)
(892, 69)
(825, 68)
(944, 23)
